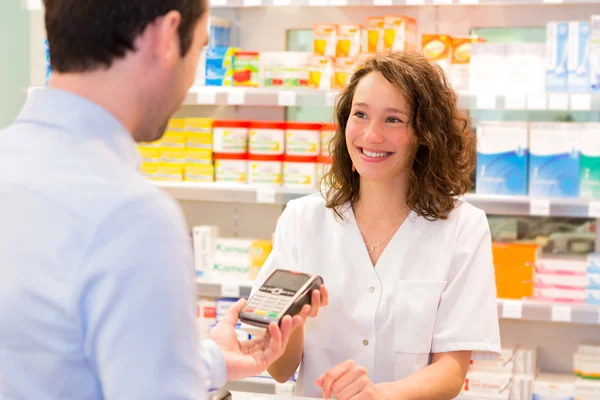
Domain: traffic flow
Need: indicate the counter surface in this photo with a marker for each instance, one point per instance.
(258, 396)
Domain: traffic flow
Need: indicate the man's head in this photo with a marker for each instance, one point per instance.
(153, 45)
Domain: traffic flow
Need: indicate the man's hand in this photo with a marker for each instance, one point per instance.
(253, 357)
(349, 381)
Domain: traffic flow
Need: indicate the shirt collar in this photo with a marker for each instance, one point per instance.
(78, 115)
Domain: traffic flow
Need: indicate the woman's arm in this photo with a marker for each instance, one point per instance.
(443, 379)
(283, 369)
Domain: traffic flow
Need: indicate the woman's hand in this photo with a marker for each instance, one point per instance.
(349, 381)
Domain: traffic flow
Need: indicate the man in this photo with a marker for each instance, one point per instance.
(96, 278)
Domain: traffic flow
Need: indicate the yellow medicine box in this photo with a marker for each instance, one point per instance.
(199, 172)
(199, 133)
(400, 33)
(324, 42)
(198, 156)
(172, 155)
(175, 136)
(149, 154)
(349, 40)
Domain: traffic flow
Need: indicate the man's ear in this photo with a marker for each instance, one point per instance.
(161, 38)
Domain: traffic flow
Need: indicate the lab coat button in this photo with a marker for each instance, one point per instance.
(366, 342)
(371, 289)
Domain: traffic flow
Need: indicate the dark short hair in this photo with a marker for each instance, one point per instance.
(444, 153)
(85, 35)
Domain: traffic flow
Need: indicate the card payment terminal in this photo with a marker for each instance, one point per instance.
(283, 293)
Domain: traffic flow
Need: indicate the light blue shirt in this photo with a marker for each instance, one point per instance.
(97, 293)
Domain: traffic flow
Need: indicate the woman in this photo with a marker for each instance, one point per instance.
(408, 267)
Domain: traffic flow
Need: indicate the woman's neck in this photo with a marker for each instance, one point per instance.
(381, 201)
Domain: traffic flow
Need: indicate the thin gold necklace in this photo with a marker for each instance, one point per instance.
(376, 248)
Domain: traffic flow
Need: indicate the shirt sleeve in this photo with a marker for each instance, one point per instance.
(135, 301)
(467, 317)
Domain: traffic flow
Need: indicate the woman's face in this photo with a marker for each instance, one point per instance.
(377, 136)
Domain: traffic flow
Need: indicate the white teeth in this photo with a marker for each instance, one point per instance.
(375, 155)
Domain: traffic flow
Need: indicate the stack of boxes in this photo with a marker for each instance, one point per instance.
(452, 54)
(561, 280)
(514, 266)
(509, 377)
(586, 366)
(184, 152)
(229, 259)
(592, 295)
(541, 159)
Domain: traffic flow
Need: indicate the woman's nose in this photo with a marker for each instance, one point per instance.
(373, 134)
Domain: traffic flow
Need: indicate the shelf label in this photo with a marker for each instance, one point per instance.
(537, 102)
(318, 3)
(514, 102)
(266, 195)
(539, 207)
(282, 3)
(330, 99)
(286, 98)
(512, 309)
(218, 3)
(558, 102)
(415, 2)
(382, 2)
(485, 102)
(581, 102)
(594, 209)
(230, 290)
(552, 1)
(442, 2)
(467, 2)
(561, 313)
(338, 3)
(206, 96)
(252, 3)
(236, 97)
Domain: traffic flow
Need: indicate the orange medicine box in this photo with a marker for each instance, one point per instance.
(375, 33)
(320, 72)
(324, 40)
(437, 48)
(349, 40)
(400, 33)
(514, 266)
(343, 68)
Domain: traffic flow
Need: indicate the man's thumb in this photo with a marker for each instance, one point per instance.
(233, 314)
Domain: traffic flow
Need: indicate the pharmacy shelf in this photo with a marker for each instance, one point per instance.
(217, 288)
(261, 385)
(212, 95)
(36, 5)
(528, 310)
(491, 204)
(546, 312)
(232, 193)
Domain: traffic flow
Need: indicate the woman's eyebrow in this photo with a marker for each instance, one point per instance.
(388, 109)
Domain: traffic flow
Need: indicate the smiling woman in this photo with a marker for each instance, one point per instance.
(399, 110)
(410, 294)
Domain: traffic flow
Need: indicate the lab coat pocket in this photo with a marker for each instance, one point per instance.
(415, 311)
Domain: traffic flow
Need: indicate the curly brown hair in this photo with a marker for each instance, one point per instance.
(444, 154)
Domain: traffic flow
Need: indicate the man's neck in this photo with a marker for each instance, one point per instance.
(99, 88)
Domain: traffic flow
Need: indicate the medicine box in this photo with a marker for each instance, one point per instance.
(554, 159)
(502, 154)
(590, 160)
(595, 53)
(557, 36)
(553, 387)
(203, 238)
(578, 75)
(513, 360)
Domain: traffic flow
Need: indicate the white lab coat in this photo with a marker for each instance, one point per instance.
(432, 290)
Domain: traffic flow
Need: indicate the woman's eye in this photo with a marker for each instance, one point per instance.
(360, 114)
(393, 120)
